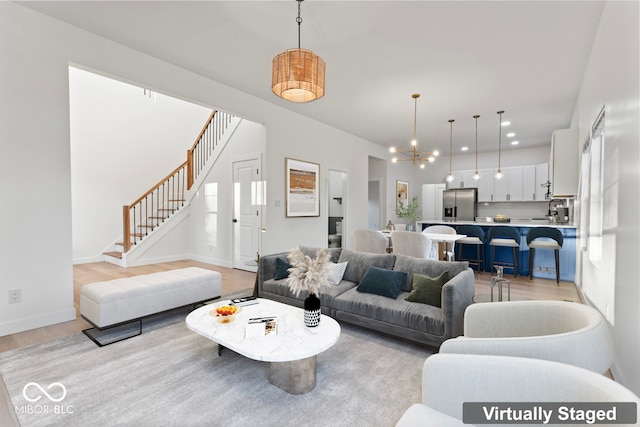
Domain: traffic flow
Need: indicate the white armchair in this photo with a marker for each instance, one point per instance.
(449, 380)
(562, 331)
(413, 244)
(365, 240)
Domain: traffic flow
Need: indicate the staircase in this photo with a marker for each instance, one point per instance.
(163, 201)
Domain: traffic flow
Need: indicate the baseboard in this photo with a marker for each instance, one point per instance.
(34, 322)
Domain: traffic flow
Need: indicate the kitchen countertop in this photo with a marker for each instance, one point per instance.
(514, 223)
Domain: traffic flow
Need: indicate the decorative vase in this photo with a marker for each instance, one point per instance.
(312, 311)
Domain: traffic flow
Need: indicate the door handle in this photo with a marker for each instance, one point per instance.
(234, 220)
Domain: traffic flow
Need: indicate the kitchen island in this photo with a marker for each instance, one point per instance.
(543, 257)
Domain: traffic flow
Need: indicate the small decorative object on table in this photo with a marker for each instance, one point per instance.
(309, 274)
(390, 226)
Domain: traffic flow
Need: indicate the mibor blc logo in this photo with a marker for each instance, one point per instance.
(27, 392)
(34, 394)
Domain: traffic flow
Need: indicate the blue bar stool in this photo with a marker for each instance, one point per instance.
(504, 236)
(550, 238)
(475, 236)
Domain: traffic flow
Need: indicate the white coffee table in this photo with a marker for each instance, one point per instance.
(292, 351)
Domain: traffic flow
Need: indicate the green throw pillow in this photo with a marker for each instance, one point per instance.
(383, 282)
(428, 290)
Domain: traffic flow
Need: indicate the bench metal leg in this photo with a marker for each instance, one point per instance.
(91, 332)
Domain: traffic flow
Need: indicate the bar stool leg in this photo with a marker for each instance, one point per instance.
(515, 263)
(557, 266)
(531, 251)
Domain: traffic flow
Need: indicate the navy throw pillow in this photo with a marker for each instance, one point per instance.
(282, 269)
(383, 282)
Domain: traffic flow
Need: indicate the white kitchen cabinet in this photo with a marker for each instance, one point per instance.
(563, 163)
(542, 177)
(468, 181)
(529, 183)
(432, 202)
(509, 187)
(534, 178)
(457, 181)
(485, 185)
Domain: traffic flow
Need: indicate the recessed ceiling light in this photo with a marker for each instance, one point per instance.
(464, 148)
(511, 135)
(515, 142)
(505, 123)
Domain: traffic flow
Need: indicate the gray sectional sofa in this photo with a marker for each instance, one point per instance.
(415, 321)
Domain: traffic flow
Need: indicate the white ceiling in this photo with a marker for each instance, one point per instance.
(463, 57)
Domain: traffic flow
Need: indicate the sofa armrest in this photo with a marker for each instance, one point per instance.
(457, 295)
(267, 269)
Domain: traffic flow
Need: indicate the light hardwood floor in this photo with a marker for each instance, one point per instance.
(235, 280)
(232, 280)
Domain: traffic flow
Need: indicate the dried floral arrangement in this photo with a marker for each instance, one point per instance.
(306, 273)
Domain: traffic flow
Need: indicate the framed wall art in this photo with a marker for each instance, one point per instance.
(402, 194)
(302, 188)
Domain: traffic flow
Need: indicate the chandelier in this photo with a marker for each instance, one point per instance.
(413, 155)
(297, 75)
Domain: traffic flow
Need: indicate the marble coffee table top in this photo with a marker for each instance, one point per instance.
(293, 341)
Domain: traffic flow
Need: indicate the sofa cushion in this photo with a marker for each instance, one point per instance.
(336, 272)
(311, 252)
(359, 262)
(382, 282)
(428, 267)
(327, 293)
(428, 290)
(282, 269)
(397, 312)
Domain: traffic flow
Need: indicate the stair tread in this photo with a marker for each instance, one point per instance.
(114, 254)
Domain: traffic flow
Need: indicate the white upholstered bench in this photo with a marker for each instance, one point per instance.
(114, 303)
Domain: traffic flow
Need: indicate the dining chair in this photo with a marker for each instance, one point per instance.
(544, 238)
(365, 240)
(413, 244)
(442, 229)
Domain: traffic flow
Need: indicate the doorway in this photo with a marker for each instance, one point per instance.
(337, 191)
(375, 204)
(248, 200)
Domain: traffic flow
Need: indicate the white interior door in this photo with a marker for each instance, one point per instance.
(247, 213)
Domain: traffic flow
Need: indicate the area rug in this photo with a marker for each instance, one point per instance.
(170, 376)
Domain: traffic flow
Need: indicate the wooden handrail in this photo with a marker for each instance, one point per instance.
(188, 168)
(166, 178)
(204, 129)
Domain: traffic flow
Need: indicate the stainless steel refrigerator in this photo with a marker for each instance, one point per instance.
(459, 204)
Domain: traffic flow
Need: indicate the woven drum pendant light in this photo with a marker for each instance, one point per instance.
(298, 74)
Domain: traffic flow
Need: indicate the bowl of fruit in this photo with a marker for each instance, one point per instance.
(225, 312)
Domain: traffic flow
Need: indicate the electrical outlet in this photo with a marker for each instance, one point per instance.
(15, 296)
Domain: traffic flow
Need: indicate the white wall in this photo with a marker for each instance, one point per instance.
(36, 140)
(122, 144)
(611, 80)
(211, 209)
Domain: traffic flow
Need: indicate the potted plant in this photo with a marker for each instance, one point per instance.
(411, 212)
(309, 274)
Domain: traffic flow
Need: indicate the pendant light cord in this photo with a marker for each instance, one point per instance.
(451, 146)
(476, 117)
(299, 21)
(499, 136)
